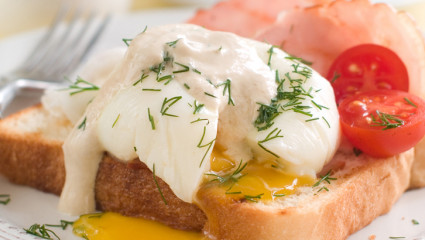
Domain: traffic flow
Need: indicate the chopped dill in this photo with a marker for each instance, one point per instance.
(272, 135)
(227, 86)
(140, 79)
(157, 185)
(197, 107)
(410, 102)
(151, 119)
(209, 145)
(83, 124)
(80, 85)
(385, 120)
(4, 199)
(167, 103)
(116, 120)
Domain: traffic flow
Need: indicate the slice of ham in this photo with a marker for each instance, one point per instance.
(246, 17)
(319, 34)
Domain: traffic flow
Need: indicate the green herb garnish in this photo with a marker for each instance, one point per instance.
(127, 40)
(410, 102)
(83, 124)
(4, 199)
(167, 103)
(272, 135)
(157, 185)
(387, 121)
(80, 85)
(253, 198)
(173, 43)
(151, 119)
(197, 107)
(141, 79)
(208, 145)
(227, 86)
(232, 178)
(326, 178)
(116, 120)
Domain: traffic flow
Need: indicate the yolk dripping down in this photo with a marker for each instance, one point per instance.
(257, 181)
(113, 226)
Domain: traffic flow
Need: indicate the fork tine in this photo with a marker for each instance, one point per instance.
(42, 45)
(83, 48)
(58, 45)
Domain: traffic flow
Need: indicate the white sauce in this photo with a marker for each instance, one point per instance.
(117, 120)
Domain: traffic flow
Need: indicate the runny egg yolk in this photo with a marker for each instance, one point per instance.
(256, 181)
(112, 226)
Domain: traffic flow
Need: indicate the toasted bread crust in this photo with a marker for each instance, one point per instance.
(360, 194)
(352, 202)
(127, 188)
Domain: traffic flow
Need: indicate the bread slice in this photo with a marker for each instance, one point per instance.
(31, 154)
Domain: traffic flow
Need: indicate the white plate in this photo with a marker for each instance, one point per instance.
(28, 206)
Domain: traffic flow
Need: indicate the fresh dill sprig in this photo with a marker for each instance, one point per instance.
(151, 89)
(335, 77)
(302, 70)
(140, 80)
(167, 103)
(253, 198)
(197, 106)
(415, 222)
(4, 199)
(410, 102)
(326, 178)
(357, 151)
(267, 113)
(157, 185)
(298, 59)
(278, 195)
(387, 121)
(80, 85)
(63, 224)
(272, 135)
(201, 119)
(326, 121)
(209, 94)
(186, 86)
(208, 145)
(41, 231)
(116, 120)
(270, 52)
(233, 177)
(127, 40)
(173, 43)
(185, 68)
(227, 86)
(151, 119)
(83, 124)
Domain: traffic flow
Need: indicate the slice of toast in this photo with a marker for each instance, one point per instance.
(31, 154)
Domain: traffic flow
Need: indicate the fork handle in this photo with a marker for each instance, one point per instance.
(8, 91)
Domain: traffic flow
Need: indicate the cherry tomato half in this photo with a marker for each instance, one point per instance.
(383, 123)
(367, 67)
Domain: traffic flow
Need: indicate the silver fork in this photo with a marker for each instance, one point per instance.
(56, 55)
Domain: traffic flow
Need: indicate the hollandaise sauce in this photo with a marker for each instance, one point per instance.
(112, 226)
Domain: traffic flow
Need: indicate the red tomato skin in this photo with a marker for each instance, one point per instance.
(391, 71)
(384, 143)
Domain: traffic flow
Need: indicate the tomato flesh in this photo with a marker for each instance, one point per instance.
(383, 123)
(367, 67)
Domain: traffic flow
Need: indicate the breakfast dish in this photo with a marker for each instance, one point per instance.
(318, 180)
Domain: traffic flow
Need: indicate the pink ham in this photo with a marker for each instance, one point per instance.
(246, 17)
(319, 34)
